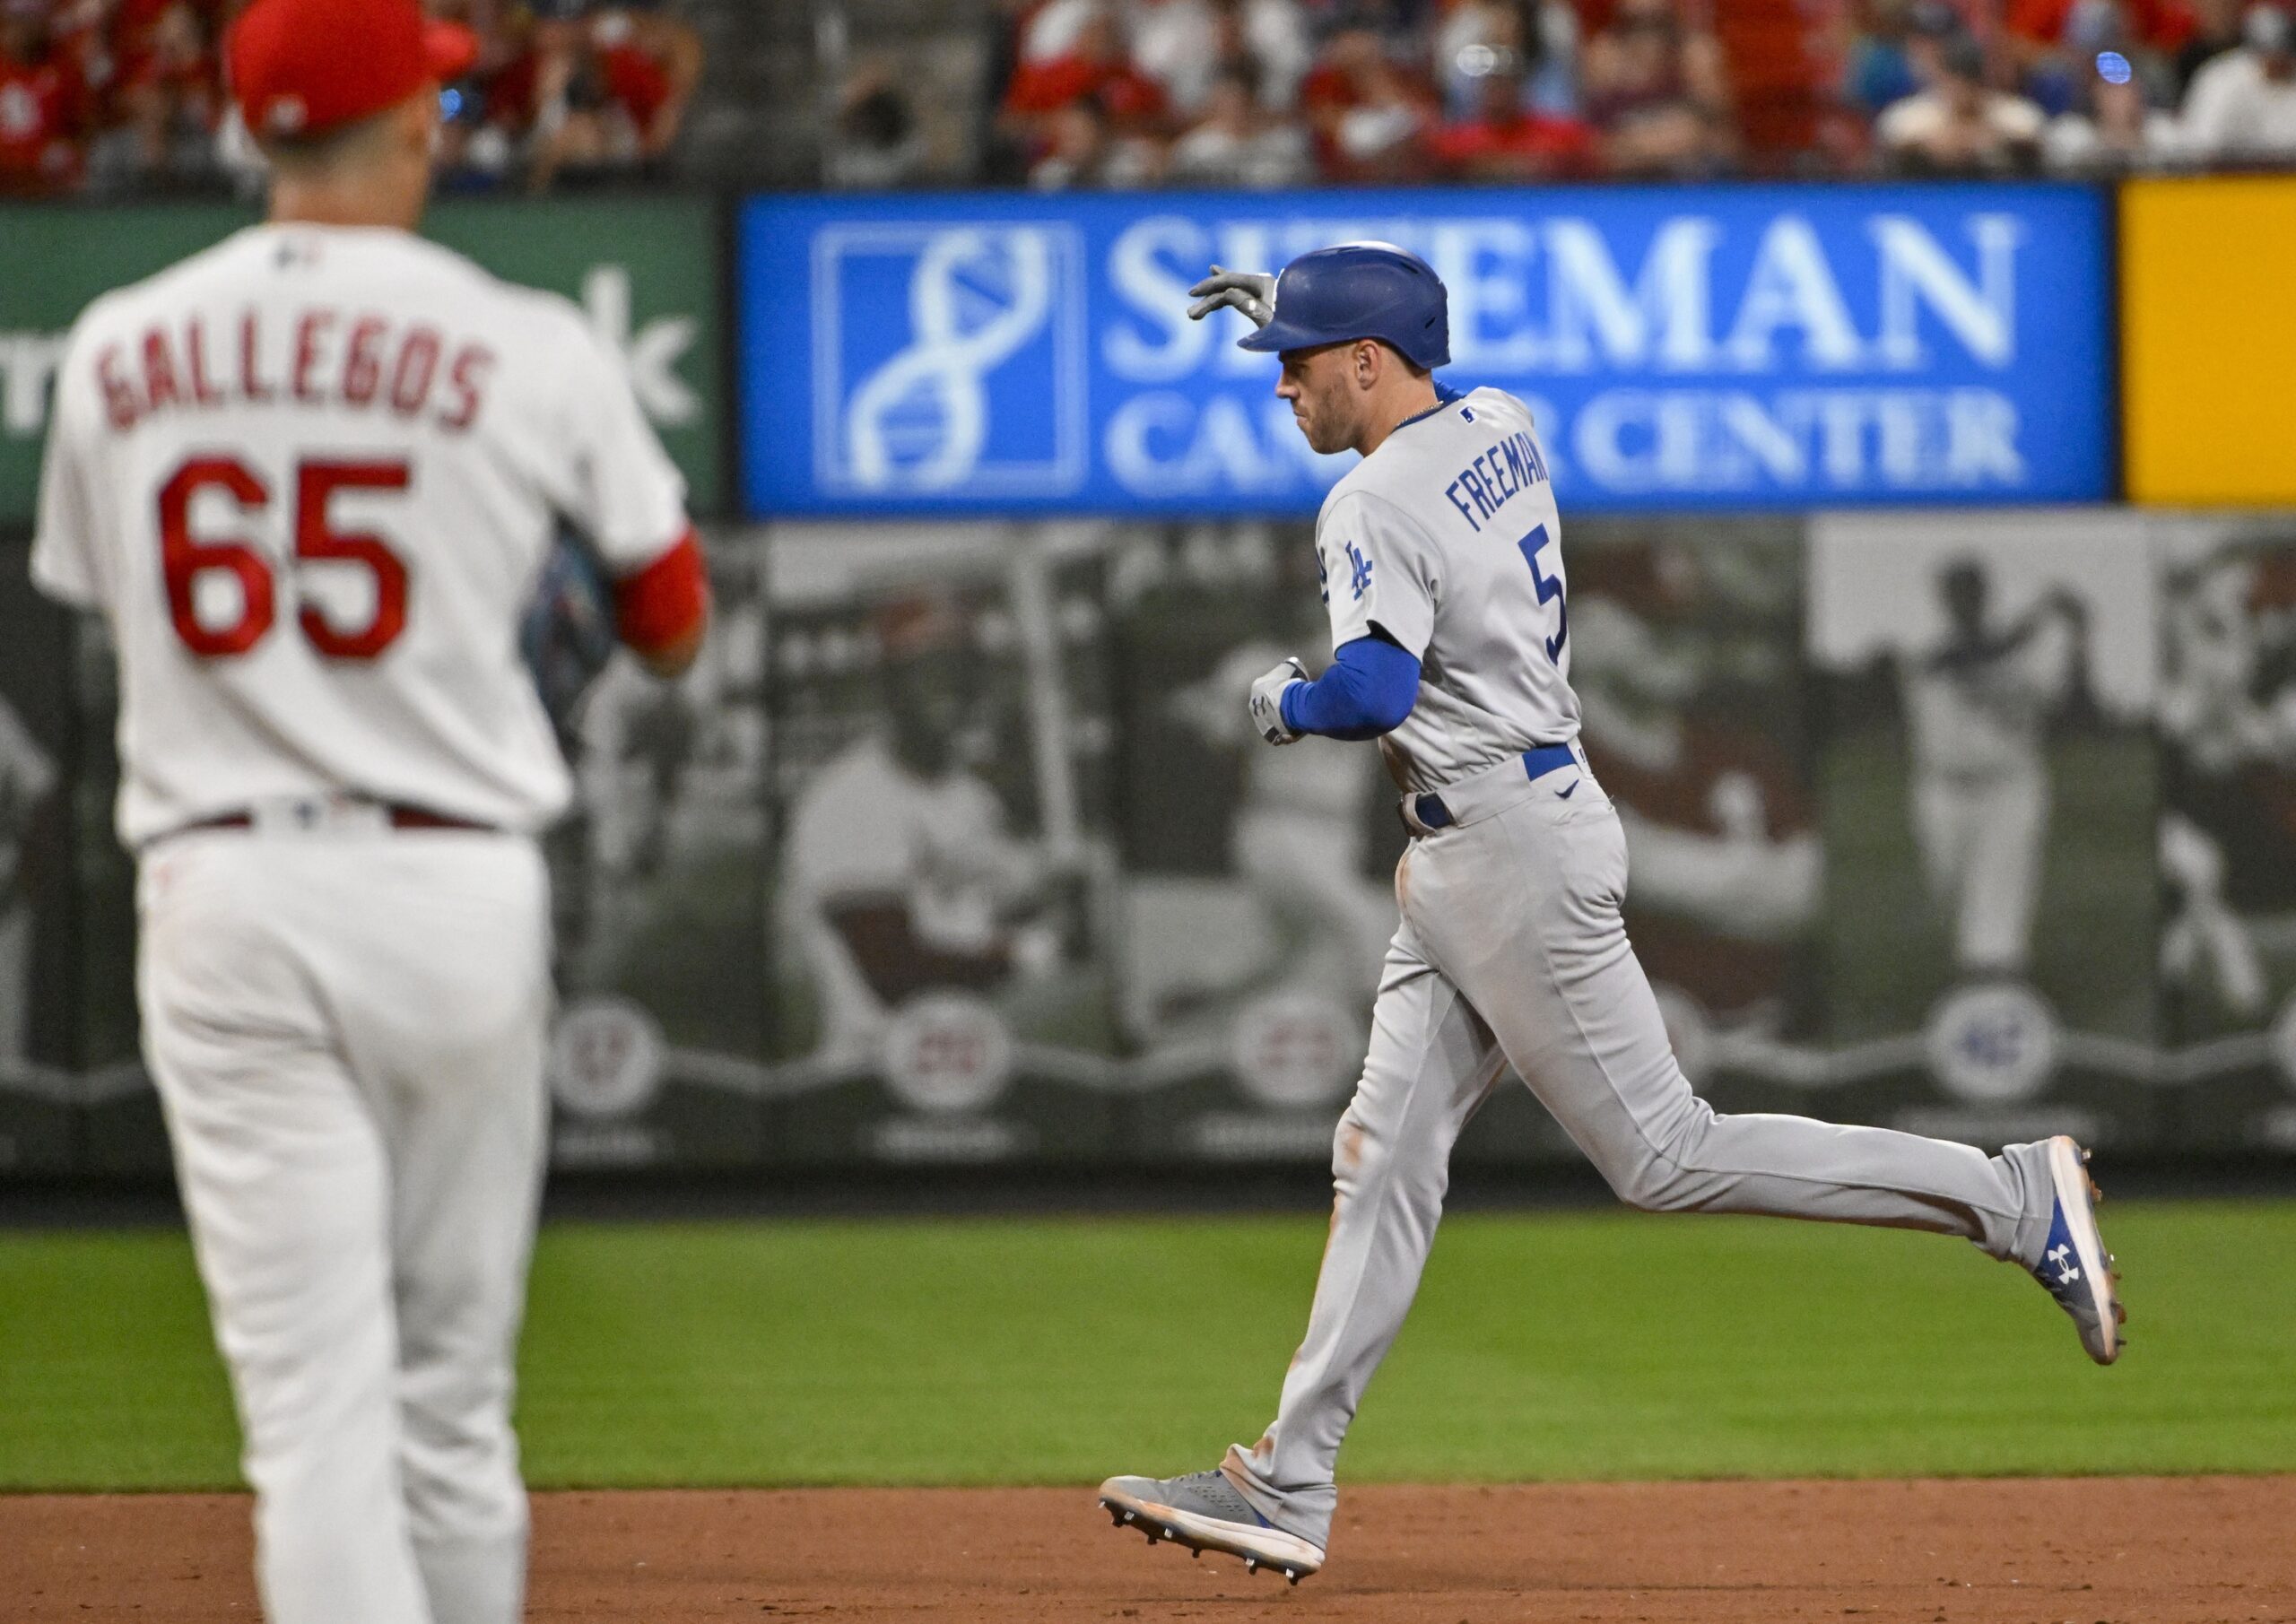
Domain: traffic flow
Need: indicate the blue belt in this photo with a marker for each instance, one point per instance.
(1537, 764)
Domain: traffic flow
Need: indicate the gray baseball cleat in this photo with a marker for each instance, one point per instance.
(2075, 1268)
(1203, 1511)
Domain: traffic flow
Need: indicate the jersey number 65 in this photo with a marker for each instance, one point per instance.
(184, 558)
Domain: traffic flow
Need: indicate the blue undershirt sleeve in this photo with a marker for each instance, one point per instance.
(1368, 690)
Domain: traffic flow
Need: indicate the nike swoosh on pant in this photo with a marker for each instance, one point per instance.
(1564, 795)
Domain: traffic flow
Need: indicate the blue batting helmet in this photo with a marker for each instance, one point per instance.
(1360, 290)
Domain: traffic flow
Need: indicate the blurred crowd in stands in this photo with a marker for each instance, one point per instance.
(110, 98)
(1280, 92)
(117, 97)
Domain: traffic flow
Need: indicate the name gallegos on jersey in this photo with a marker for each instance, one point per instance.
(311, 477)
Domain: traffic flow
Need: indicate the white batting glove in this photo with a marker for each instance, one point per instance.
(1251, 291)
(1267, 701)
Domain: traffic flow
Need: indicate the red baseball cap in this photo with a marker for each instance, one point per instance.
(300, 67)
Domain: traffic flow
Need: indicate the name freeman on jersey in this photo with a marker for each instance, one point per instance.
(1496, 474)
(413, 369)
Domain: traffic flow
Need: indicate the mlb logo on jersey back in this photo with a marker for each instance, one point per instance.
(949, 355)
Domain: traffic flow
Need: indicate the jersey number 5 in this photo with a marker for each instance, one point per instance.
(184, 558)
(1550, 590)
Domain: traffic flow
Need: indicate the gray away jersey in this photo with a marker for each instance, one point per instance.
(1447, 539)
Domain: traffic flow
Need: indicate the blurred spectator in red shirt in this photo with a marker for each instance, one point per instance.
(612, 89)
(1238, 142)
(1092, 63)
(1084, 116)
(491, 110)
(167, 90)
(43, 105)
(1371, 118)
(1504, 140)
(651, 64)
(1657, 91)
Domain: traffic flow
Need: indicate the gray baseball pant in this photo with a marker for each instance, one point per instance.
(1512, 949)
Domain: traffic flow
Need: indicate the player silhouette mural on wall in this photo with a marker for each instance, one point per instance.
(900, 868)
(1979, 705)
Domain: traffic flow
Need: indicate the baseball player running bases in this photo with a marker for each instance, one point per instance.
(1441, 557)
(310, 477)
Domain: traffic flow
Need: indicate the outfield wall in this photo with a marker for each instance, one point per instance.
(953, 850)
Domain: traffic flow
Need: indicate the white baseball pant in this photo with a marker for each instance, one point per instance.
(1512, 951)
(347, 1029)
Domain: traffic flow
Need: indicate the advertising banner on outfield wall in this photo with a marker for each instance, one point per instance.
(643, 270)
(2208, 340)
(1754, 347)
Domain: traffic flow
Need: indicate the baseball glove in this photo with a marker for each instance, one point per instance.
(567, 635)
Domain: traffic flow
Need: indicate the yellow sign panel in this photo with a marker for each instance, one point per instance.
(2208, 340)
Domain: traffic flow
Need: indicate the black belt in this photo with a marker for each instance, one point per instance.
(1537, 762)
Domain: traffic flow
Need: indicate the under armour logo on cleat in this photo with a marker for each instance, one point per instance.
(2067, 1273)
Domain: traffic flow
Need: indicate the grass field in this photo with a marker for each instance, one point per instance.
(1058, 1351)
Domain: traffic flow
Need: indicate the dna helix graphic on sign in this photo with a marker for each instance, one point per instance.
(976, 295)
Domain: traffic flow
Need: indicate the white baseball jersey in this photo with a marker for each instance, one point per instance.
(1446, 538)
(310, 477)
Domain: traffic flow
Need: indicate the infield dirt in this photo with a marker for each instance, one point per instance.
(2130, 1551)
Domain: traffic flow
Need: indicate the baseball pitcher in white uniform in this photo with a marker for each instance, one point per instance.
(1442, 563)
(310, 477)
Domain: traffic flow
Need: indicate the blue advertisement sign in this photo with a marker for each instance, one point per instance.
(1763, 346)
